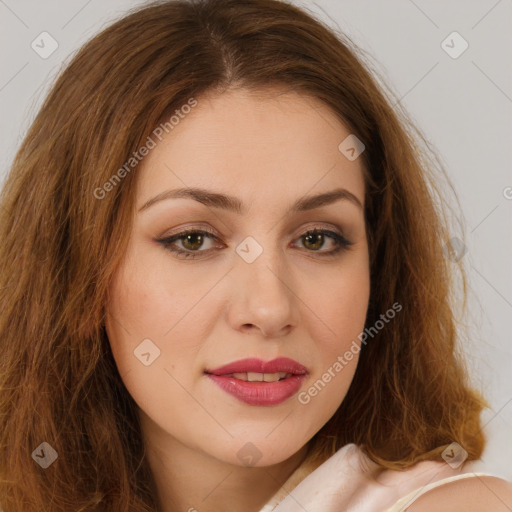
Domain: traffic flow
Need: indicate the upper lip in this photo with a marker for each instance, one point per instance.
(281, 364)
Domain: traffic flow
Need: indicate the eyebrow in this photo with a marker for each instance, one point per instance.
(230, 203)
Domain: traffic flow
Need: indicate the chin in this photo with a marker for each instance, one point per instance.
(259, 451)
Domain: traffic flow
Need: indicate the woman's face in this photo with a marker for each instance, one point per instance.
(257, 285)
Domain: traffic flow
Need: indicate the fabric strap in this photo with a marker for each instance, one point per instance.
(405, 502)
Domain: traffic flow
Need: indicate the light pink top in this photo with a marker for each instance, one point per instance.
(351, 482)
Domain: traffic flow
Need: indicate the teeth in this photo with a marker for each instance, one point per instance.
(260, 377)
(273, 377)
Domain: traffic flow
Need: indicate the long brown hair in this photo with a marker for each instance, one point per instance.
(61, 244)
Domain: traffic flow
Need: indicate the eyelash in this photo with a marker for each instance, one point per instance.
(343, 243)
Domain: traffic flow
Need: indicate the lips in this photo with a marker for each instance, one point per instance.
(256, 382)
(253, 365)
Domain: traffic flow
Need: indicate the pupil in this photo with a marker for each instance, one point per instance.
(192, 245)
(318, 242)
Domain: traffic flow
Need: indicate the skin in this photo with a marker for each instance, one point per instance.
(269, 150)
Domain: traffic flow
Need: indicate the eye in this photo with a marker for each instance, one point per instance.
(193, 240)
(315, 240)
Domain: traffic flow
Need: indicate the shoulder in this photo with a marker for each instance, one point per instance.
(475, 494)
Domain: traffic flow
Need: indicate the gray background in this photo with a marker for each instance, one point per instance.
(462, 105)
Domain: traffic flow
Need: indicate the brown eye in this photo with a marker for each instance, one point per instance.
(314, 241)
(192, 241)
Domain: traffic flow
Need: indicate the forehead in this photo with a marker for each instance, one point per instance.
(267, 144)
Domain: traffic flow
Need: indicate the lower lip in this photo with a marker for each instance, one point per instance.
(259, 393)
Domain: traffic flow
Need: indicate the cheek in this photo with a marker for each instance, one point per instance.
(148, 301)
(340, 307)
(139, 316)
(153, 325)
(340, 303)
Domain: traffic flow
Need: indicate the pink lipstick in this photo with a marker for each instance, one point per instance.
(257, 382)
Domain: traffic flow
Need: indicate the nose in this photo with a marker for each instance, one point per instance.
(264, 296)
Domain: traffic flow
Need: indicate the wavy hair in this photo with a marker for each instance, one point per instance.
(410, 396)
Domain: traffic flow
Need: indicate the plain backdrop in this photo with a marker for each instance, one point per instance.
(461, 103)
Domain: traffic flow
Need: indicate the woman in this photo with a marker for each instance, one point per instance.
(224, 282)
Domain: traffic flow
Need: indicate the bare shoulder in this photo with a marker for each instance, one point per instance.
(477, 494)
